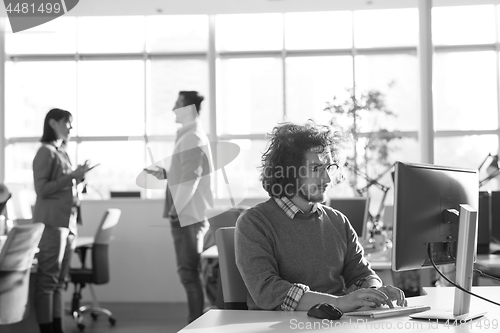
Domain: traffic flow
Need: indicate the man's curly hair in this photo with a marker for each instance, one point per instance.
(286, 154)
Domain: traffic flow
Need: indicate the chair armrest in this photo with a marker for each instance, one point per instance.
(82, 253)
(83, 243)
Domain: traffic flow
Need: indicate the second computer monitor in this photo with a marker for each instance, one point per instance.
(424, 195)
(356, 210)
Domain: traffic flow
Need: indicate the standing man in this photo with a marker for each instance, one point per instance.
(188, 196)
(294, 252)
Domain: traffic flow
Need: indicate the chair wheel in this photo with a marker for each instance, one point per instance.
(81, 327)
(94, 316)
(112, 321)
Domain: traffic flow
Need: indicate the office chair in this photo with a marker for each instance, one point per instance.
(234, 290)
(218, 217)
(16, 258)
(97, 274)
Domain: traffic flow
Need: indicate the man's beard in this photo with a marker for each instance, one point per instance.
(317, 195)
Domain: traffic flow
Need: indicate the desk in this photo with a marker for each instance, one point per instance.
(211, 253)
(230, 321)
(489, 264)
(29, 323)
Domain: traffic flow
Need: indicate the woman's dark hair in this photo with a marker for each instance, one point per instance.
(284, 158)
(49, 135)
(192, 97)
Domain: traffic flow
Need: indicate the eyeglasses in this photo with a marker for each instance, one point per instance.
(330, 168)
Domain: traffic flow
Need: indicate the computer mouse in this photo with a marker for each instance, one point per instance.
(325, 311)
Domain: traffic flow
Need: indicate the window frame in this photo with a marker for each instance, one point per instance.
(212, 55)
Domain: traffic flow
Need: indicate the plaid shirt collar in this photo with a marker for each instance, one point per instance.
(291, 209)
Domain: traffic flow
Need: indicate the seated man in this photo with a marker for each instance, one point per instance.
(294, 252)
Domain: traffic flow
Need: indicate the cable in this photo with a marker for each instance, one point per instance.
(453, 283)
(475, 270)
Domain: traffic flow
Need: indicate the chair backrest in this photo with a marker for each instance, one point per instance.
(100, 256)
(20, 246)
(220, 217)
(234, 290)
(105, 229)
(16, 259)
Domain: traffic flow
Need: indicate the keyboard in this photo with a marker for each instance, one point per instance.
(388, 312)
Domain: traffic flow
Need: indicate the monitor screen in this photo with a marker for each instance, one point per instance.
(2, 207)
(125, 194)
(495, 216)
(484, 223)
(423, 194)
(356, 210)
(388, 217)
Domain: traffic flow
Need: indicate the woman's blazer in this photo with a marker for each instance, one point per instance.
(53, 186)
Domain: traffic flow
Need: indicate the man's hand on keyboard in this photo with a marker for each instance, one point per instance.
(395, 294)
(361, 297)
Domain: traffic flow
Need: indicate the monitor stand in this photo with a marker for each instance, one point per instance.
(466, 249)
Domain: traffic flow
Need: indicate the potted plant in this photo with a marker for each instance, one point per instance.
(363, 114)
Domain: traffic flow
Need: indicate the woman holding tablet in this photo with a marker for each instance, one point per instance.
(56, 206)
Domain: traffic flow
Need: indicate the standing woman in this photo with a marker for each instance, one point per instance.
(56, 206)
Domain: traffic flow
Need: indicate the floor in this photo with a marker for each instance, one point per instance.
(135, 318)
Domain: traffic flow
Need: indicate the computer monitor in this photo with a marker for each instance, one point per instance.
(125, 194)
(495, 216)
(435, 214)
(356, 210)
(2, 207)
(484, 222)
(388, 217)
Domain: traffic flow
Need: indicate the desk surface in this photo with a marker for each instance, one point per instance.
(490, 260)
(29, 324)
(230, 321)
(489, 264)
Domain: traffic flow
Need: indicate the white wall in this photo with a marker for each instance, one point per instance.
(142, 256)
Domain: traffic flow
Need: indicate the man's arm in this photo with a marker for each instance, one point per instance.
(190, 176)
(259, 269)
(160, 173)
(256, 262)
(358, 275)
(357, 272)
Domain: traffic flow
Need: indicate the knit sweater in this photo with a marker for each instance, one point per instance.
(274, 252)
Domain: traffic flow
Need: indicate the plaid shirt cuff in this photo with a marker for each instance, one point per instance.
(293, 297)
(360, 282)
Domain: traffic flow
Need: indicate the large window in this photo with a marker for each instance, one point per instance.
(466, 90)
(119, 76)
(311, 82)
(250, 99)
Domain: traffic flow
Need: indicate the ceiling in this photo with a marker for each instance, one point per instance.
(151, 7)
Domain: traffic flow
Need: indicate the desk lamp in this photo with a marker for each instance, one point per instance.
(370, 183)
(492, 169)
(4, 197)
